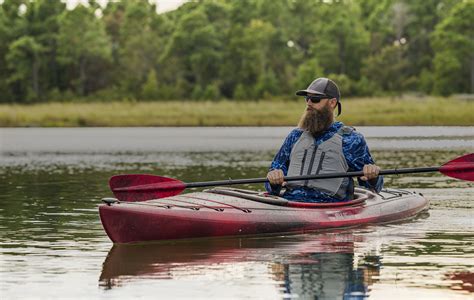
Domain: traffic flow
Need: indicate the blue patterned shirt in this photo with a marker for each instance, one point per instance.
(354, 148)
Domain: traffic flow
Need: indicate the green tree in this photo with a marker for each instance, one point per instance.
(453, 44)
(84, 47)
(137, 38)
(235, 49)
(388, 69)
(12, 26)
(342, 42)
(285, 54)
(194, 51)
(376, 17)
(23, 59)
(247, 57)
(41, 18)
(419, 28)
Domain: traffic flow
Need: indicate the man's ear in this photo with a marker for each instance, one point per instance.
(333, 103)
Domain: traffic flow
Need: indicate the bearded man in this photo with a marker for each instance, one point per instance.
(321, 145)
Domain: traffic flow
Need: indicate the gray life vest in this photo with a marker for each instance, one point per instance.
(307, 158)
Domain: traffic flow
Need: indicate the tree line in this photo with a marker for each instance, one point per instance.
(249, 49)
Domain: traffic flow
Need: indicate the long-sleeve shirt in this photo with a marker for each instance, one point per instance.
(355, 150)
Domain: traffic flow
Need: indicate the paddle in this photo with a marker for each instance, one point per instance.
(141, 187)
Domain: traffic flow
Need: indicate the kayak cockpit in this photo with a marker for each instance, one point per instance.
(360, 196)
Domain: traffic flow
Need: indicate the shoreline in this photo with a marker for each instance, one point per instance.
(384, 111)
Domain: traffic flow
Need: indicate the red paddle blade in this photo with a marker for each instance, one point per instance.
(141, 187)
(460, 168)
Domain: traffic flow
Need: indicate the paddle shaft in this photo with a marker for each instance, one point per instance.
(142, 187)
(306, 177)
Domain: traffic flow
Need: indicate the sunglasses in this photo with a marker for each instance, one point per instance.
(316, 99)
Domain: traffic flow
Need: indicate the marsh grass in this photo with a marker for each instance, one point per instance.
(359, 111)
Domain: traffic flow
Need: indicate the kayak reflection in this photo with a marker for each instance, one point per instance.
(322, 266)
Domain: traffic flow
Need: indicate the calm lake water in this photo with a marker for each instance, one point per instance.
(52, 244)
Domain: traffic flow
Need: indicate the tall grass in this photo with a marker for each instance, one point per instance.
(360, 111)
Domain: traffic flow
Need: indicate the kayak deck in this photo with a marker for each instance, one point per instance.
(232, 212)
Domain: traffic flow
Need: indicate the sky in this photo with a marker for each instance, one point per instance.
(163, 5)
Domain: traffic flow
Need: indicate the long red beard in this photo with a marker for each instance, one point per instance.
(316, 121)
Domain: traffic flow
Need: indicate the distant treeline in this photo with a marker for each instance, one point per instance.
(247, 49)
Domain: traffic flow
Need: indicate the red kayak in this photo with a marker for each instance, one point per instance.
(235, 212)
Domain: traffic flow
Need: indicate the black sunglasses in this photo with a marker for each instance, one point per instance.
(316, 99)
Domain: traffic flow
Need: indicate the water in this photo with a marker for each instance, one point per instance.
(52, 244)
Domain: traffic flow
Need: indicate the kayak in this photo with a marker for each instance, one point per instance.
(222, 212)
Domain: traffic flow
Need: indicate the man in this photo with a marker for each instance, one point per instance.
(320, 145)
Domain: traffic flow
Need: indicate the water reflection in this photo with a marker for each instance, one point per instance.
(351, 264)
(461, 280)
(329, 276)
(323, 266)
(50, 232)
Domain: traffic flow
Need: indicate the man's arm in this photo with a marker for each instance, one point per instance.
(357, 156)
(281, 161)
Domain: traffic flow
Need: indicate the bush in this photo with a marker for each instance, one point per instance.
(149, 89)
(345, 84)
(166, 92)
(240, 93)
(266, 86)
(365, 87)
(68, 95)
(388, 69)
(211, 92)
(182, 89)
(445, 81)
(109, 94)
(426, 81)
(307, 72)
(197, 92)
(54, 95)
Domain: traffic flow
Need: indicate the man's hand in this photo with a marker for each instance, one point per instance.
(276, 177)
(370, 172)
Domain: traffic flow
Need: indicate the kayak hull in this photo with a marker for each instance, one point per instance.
(203, 214)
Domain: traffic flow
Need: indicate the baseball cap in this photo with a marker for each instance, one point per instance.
(324, 87)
